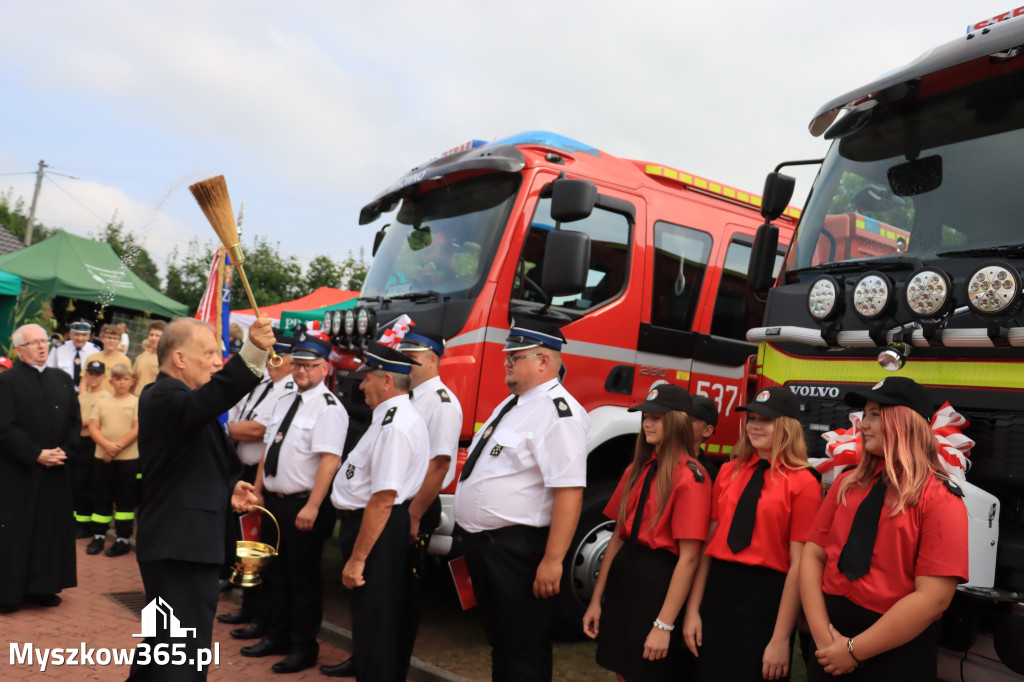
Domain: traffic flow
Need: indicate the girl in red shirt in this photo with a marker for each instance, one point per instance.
(745, 600)
(887, 549)
(652, 556)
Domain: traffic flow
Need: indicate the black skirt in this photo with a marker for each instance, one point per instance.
(915, 660)
(738, 613)
(638, 581)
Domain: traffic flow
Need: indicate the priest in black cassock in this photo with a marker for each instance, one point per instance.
(39, 423)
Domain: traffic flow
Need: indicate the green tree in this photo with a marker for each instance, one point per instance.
(324, 272)
(186, 274)
(274, 278)
(127, 248)
(14, 216)
(354, 271)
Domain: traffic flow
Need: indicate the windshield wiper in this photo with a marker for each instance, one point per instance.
(902, 263)
(1004, 250)
(422, 295)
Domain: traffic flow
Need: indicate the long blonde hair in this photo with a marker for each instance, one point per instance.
(789, 449)
(909, 452)
(675, 448)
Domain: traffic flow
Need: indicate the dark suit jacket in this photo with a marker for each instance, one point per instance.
(188, 466)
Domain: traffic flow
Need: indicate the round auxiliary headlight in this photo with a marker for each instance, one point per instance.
(362, 321)
(349, 322)
(872, 296)
(325, 325)
(335, 322)
(993, 289)
(928, 293)
(824, 299)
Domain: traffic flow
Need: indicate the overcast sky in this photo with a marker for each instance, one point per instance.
(311, 108)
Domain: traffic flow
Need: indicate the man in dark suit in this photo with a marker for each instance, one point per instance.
(39, 426)
(190, 478)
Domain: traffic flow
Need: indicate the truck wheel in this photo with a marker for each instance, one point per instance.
(582, 561)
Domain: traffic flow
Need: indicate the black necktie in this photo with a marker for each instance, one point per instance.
(467, 468)
(645, 489)
(742, 528)
(77, 376)
(274, 452)
(249, 412)
(855, 559)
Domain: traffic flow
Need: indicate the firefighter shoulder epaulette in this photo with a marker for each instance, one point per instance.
(953, 487)
(698, 475)
(563, 407)
(389, 416)
(331, 400)
(445, 398)
(289, 386)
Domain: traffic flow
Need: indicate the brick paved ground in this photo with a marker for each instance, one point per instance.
(86, 615)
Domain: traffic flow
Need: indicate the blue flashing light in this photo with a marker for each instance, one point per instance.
(545, 139)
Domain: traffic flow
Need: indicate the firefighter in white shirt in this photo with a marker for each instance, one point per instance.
(304, 443)
(247, 426)
(372, 492)
(518, 502)
(71, 355)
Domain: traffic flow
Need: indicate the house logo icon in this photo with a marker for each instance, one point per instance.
(158, 615)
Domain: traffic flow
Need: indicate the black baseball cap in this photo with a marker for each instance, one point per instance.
(895, 391)
(774, 401)
(663, 398)
(97, 367)
(704, 408)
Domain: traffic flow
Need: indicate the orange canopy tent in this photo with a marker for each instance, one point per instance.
(324, 296)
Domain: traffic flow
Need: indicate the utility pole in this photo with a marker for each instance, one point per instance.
(35, 198)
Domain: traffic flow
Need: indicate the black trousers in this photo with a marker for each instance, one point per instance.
(189, 589)
(503, 565)
(115, 484)
(81, 461)
(378, 606)
(294, 579)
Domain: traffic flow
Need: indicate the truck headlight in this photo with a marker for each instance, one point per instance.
(824, 299)
(872, 297)
(927, 293)
(993, 289)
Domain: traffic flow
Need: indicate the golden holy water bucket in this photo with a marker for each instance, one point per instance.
(252, 556)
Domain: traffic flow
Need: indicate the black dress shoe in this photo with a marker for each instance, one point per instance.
(250, 631)
(9, 608)
(266, 647)
(295, 662)
(236, 618)
(43, 599)
(94, 547)
(346, 668)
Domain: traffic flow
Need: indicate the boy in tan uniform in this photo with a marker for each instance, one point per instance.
(146, 367)
(83, 461)
(114, 425)
(110, 356)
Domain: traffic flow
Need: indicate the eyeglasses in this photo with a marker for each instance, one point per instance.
(511, 360)
(306, 368)
(37, 342)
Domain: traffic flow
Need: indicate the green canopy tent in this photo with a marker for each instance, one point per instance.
(10, 289)
(66, 265)
(308, 317)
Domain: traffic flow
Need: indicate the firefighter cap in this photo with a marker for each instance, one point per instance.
(414, 342)
(81, 327)
(379, 356)
(664, 398)
(894, 391)
(533, 333)
(774, 401)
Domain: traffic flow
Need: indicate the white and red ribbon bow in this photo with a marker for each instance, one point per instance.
(393, 335)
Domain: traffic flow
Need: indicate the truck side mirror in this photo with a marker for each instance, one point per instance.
(762, 258)
(566, 262)
(572, 199)
(778, 191)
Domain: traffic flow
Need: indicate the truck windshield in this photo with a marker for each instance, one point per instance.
(443, 241)
(929, 177)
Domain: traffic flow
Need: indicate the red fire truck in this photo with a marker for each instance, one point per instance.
(908, 259)
(647, 280)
